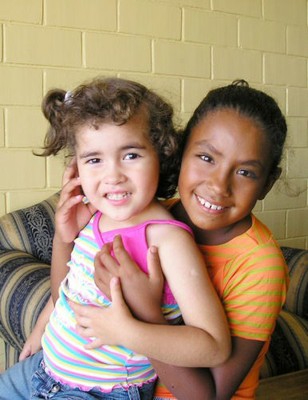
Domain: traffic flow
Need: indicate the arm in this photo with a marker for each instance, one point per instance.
(33, 343)
(205, 333)
(204, 383)
(217, 383)
(72, 214)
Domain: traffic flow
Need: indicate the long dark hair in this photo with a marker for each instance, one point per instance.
(252, 103)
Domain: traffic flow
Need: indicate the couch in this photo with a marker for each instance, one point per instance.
(26, 239)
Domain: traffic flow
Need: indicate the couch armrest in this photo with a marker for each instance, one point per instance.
(297, 296)
(26, 237)
(288, 351)
(31, 229)
(24, 290)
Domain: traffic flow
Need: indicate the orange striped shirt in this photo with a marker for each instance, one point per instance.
(251, 279)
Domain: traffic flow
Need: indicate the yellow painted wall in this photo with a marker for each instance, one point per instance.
(180, 48)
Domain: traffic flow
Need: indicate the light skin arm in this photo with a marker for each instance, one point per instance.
(71, 215)
(205, 332)
(33, 342)
(204, 383)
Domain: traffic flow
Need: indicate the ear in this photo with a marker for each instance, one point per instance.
(272, 178)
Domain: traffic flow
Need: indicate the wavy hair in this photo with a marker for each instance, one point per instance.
(116, 101)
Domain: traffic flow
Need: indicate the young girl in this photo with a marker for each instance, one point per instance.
(232, 148)
(124, 144)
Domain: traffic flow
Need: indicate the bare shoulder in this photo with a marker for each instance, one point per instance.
(169, 233)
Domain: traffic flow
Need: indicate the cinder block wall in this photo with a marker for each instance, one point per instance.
(180, 48)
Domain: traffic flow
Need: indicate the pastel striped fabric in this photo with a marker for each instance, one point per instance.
(107, 367)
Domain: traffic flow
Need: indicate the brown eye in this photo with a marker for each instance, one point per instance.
(247, 173)
(93, 161)
(206, 158)
(131, 156)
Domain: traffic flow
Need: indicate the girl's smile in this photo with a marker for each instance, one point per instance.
(208, 205)
(119, 170)
(224, 172)
(117, 197)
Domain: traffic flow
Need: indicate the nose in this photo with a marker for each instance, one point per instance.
(113, 173)
(220, 183)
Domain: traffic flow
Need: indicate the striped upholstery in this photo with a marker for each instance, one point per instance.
(288, 350)
(25, 252)
(297, 298)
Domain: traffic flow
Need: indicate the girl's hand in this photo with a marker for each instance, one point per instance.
(32, 345)
(142, 293)
(72, 213)
(105, 325)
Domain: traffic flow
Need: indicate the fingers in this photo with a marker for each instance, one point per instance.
(70, 190)
(124, 259)
(84, 315)
(116, 293)
(94, 344)
(154, 267)
(105, 260)
(79, 310)
(25, 353)
(70, 182)
(70, 172)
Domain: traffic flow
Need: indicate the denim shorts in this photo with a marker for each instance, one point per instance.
(27, 380)
(45, 387)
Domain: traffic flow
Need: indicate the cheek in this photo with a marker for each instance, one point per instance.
(189, 175)
(87, 179)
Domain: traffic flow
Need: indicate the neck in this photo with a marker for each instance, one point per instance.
(212, 237)
(153, 211)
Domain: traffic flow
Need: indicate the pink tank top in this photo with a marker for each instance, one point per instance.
(135, 242)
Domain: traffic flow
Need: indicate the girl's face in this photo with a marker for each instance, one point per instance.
(118, 168)
(225, 170)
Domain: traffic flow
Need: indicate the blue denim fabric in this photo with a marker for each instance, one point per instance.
(15, 383)
(28, 380)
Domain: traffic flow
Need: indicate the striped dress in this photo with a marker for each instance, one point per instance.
(107, 367)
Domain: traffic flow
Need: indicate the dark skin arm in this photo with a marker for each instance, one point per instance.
(217, 383)
(197, 383)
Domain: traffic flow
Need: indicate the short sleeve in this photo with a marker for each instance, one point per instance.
(255, 286)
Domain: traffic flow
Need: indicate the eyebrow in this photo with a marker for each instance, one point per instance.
(130, 146)
(205, 143)
(89, 154)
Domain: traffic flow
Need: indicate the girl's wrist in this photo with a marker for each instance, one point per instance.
(58, 241)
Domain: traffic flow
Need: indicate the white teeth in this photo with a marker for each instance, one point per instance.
(208, 205)
(116, 196)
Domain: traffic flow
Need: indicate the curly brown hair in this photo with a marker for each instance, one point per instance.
(115, 101)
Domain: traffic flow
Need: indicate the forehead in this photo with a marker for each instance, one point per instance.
(137, 126)
(230, 134)
(227, 124)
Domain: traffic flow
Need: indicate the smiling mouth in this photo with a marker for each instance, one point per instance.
(209, 205)
(117, 196)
